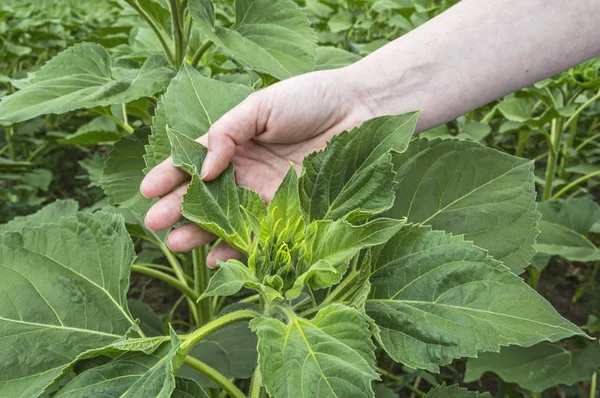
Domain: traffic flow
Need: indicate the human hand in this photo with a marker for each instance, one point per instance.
(282, 123)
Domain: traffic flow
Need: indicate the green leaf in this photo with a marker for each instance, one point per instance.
(353, 178)
(381, 391)
(272, 36)
(123, 174)
(229, 279)
(564, 227)
(333, 58)
(537, 368)
(340, 21)
(213, 205)
(191, 104)
(285, 215)
(134, 375)
(516, 109)
(331, 244)
(150, 323)
(435, 297)
(454, 391)
(465, 188)
(231, 351)
(48, 214)
(330, 356)
(99, 130)
(83, 77)
(62, 293)
(474, 131)
(188, 388)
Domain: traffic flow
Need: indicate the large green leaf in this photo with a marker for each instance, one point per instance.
(435, 297)
(354, 174)
(331, 244)
(191, 105)
(564, 227)
(231, 351)
(213, 205)
(454, 391)
(48, 214)
(123, 173)
(134, 375)
(330, 356)
(83, 77)
(537, 368)
(272, 36)
(62, 293)
(188, 388)
(468, 189)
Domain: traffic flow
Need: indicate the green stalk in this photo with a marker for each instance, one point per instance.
(256, 384)
(575, 183)
(193, 338)
(564, 161)
(534, 277)
(587, 141)
(181, 277)
(556, 137)
(155, 28)
(177, 31)
(339, 289)
(201, 278)
(214, 375)
(189, 293)
(10, 133)
(126, 124)
(574, 116)
(198, 55)
(523, 137)
(393, 377)
(593, 385)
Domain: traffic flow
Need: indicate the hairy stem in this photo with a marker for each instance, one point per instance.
(189, 293)
(256, 384)
(191, 339)
(214, 375)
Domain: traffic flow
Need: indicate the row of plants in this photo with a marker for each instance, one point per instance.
(378, 291)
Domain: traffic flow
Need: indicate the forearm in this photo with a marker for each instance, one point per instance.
(474, 53)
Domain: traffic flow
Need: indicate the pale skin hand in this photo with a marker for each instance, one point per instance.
(470, 55)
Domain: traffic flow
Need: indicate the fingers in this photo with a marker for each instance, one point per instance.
(188, 237)
(167, 211)
(162, 179)
(236, 127)
(222, 252)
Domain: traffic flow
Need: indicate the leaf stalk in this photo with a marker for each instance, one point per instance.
(214, 375)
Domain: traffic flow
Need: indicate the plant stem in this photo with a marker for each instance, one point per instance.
(189, 293)
(198, 55)
(10, 133)
(128, 128)
(392, 376)
(534, 277)
(256, 384)
(155, 28)
(575, 183)
(556, 137)
(522, 140)
(191, 339)
(201, 278)
(593, 384)
(182, 278)
(587, 141)
(574, 116)
(177, 31)
(333, 295)
(214, 375)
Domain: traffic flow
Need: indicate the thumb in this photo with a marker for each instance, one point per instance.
(234, 128)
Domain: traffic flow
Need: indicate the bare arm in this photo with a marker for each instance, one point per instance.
(476, 52)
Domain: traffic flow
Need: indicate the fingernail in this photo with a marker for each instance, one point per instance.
(206, 166)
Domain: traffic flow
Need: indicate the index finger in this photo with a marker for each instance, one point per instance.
(162, 179)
